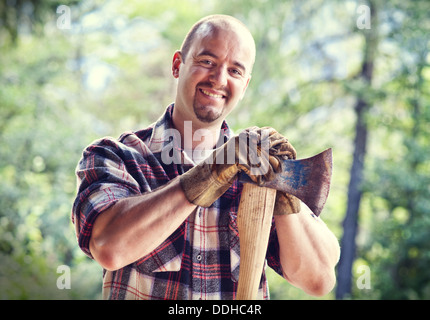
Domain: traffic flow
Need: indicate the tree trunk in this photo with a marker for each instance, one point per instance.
(350, 223)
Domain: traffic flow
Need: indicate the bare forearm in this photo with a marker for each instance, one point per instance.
(135, 226)
(309, 252)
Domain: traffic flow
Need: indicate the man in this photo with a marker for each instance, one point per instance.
(162, 222)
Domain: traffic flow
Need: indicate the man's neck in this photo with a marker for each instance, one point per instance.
(196, 134)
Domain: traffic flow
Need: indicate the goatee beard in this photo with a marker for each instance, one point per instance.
(206, 114)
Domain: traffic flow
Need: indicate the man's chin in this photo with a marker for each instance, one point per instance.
(207, 114)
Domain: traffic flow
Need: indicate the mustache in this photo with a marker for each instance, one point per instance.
(208, 85)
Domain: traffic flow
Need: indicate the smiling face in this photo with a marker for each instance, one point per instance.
(214, 74)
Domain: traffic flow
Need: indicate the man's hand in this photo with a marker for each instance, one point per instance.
(286, 203)
(256, 151)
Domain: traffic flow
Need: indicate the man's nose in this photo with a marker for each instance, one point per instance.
(218, 76)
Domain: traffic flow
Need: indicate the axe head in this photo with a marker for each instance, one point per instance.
(307, 179)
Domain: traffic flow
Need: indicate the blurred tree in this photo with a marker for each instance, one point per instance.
(398, 247)
(363, 104)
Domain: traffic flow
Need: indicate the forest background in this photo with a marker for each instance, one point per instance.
(349, 75)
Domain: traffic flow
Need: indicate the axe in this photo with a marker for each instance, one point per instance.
(307, 179)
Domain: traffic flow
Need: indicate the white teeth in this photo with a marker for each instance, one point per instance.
(218, 96)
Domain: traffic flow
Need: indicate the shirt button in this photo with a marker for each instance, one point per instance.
(199, 257)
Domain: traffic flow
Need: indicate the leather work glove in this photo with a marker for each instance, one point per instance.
(254, 151)
(286, 203)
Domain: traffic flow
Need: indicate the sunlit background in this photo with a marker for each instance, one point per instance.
(350, 75)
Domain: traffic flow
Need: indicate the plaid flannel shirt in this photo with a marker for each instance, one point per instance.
(200, 260)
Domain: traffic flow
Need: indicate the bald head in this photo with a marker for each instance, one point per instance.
(213, 69)
(211, 25)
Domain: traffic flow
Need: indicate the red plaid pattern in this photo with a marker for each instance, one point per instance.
(200, 260)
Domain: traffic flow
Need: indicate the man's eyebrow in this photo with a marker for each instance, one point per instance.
(207, 53)
(240, 65)
(213, 55)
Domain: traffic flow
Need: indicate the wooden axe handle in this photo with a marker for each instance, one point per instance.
(254, 220)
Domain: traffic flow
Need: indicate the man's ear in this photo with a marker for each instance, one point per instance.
(177, 60)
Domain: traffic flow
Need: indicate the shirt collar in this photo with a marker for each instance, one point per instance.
(164, 133)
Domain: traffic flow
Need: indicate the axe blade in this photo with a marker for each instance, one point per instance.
(307, 179)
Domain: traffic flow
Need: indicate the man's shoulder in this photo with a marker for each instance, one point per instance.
(130, 141)
(143, 135)
(136, 140)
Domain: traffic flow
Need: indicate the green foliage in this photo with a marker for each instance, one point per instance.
(41, 134)
(399, 166)
(109, 73)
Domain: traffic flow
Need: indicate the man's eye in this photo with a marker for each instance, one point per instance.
(236, 72)
(207, 62)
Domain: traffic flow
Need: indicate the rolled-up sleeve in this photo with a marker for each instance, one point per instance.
(103, 178)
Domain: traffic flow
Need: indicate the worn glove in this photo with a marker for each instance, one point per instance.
(254, 151)
(286, 203)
